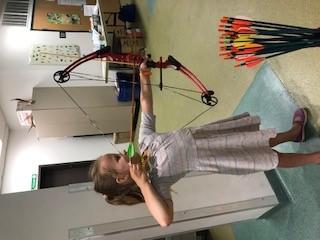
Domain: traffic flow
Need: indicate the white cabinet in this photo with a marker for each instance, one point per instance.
(56, 114)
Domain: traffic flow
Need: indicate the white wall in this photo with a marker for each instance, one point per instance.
(17, 79)
(25, 153)
(4, 134)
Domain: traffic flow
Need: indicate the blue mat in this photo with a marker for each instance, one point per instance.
(152, 6)
(298, 189)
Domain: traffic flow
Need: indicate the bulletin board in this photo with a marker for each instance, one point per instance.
(49, 15)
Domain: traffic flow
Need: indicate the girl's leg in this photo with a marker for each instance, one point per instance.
(288, 160)
(296, 133)
(288, 136)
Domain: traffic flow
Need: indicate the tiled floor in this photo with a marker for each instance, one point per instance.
(300, 217)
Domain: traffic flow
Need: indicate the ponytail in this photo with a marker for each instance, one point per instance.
(116, 194)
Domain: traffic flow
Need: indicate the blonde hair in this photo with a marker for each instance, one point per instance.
(106, 184)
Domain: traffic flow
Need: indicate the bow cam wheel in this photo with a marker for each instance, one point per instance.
(209, 99)
(61, 76)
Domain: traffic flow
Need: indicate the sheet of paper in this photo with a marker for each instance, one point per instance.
(72, 2)
(88, 10)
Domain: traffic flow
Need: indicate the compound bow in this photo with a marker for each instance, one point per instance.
(207, 96)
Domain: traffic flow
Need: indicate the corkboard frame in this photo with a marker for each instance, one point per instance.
(42, 7)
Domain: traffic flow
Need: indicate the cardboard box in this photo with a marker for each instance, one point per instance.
(111, 19)
(131, 45)
(120, 32)
(134, 32)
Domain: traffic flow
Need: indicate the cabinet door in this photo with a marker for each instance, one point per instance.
(56, 98)
(56, 115)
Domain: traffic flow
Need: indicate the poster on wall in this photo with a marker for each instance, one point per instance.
(55, 16)
(43, 54)
(63, 18)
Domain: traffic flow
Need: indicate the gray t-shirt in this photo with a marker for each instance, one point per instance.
(168, 154)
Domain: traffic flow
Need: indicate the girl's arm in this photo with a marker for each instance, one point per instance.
(161, 209)
(146, 100)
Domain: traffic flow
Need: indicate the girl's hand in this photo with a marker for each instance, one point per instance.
(146, 100)
(145, 71)
(138, 175)
(143, 65)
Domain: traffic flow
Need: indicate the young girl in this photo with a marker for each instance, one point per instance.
(230, 146)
